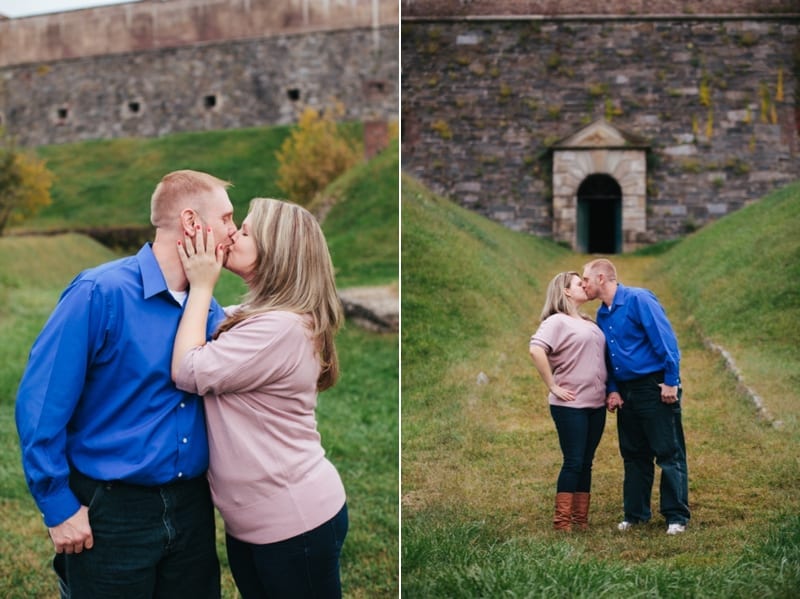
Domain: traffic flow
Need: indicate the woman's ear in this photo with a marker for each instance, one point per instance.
(189, 221)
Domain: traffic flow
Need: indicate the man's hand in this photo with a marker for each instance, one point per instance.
(614, 401)
(668, 394)
(74, 534)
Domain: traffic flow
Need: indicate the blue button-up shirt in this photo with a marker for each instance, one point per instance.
(97, 394)
(639, 338)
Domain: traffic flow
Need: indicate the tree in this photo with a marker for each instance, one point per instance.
(315, 153)
(25, 183)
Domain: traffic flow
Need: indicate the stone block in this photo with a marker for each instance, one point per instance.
(681, 150)
(717, 209)
(468, 39)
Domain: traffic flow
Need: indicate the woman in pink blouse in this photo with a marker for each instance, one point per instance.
(282, 501)
(568, 350)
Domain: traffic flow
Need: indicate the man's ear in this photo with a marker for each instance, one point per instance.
(189, 221)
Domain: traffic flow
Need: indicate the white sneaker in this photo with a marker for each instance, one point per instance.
(624, 525)
(676, 529)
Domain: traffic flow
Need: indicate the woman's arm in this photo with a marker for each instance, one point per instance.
(202, 265)
(542, 364)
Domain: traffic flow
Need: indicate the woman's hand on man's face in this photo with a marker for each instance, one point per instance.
(201, 258)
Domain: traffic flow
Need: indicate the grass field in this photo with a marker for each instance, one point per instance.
(109, 182)
(480, 461)
(358, 419)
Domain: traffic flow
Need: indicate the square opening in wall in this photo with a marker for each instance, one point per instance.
(375, 88)
(62, 113)
(293, 94)
(134, 107)
(210, 101)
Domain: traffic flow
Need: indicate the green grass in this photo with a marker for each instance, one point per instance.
(358, 418)
(109, 182)
(479, 462)
(362, 226)
(740, 279)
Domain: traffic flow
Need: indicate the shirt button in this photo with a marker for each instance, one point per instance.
(185, 440)
(183, 405)
(180, 474)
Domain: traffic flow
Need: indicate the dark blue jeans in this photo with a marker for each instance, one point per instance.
(305, 566)
(148, 542)
(651, 431)
(579, 433)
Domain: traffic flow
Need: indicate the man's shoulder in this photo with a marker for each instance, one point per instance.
(625, 292)
(110, 274)
(638, 293)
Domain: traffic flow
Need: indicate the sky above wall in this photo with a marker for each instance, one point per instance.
(25, 8)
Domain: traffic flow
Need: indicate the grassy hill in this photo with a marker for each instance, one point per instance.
(480, 461)
(109, 182)
(362, 227)
(464, 280)
(358, 418)
(740, 278)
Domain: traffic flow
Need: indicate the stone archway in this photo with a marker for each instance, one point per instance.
(600, 149)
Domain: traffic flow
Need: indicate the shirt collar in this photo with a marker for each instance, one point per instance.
(153, 281)
(619, 296)
(619, 299)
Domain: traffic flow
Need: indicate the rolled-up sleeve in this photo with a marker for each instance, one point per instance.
(546, 335)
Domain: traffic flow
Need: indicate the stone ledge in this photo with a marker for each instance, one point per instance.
(373, 308)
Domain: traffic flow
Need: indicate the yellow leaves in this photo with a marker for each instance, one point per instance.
(442, 128)
(25, 183)
(765, 102)
(705, 92)
(314, 154)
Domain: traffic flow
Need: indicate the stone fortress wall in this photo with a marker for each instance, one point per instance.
(154, 67)
(705, 92)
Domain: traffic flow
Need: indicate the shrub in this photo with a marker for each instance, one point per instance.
(24, 183)
(315, 153)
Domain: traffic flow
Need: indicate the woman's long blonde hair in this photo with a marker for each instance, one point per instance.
(293, 272)
(556, 300)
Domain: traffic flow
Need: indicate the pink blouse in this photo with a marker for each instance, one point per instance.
(268, 472)
(575, 348)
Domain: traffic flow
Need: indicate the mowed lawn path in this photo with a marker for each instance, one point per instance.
(494, 458)
(742, 471)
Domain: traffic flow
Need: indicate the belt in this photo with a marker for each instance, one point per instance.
(658, 375)
(79, 477)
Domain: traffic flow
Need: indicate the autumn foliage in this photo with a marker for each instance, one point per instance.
(25, 183)
(316, 152)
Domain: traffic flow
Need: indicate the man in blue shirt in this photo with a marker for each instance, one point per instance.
(644, 387)
(114, 454)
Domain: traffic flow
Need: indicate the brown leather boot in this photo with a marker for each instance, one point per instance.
(580, 510)
(563, 516)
